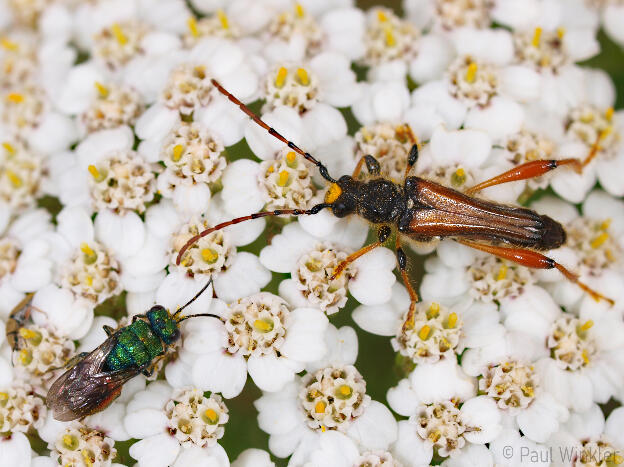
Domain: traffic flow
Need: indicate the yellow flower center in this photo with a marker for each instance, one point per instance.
(283, 178)
(102, 90)
(471, 73)
(178, 150)
(303, 77)
(223, 19)
(209, 256)
(424, 332)
(119, 34)
(536, 37)
(264, 325)
(344, 391)
(212, 417)
(320, 407)
(280, 79)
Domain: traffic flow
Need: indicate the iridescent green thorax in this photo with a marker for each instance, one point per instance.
(137, 345)
(163, 324)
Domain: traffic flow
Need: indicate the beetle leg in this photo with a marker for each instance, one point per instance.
(538, 168)
(411, 159)
(402, 262)
(533, 259)
(526, 171)
(372, 165)
(108, 330)
(382, 234)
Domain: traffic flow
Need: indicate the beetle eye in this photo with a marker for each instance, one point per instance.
(343, 207)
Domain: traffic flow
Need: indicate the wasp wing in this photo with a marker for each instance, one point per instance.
(84, 388)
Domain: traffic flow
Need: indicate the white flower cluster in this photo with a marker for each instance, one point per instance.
(117, 146)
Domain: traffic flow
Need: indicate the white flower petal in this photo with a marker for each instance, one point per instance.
(375, 429)
(124, 234)
(409, 448)
(271, 373)
(481, 412)
(305, 338)
(219, 372)
(244, 277)
(155, 451)
(372, 284)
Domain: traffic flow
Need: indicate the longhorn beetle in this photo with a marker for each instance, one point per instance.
(94, 380)
(423, 210)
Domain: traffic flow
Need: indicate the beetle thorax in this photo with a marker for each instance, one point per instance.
(381, 201)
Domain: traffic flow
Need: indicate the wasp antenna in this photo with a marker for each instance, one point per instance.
(194, 298)
(322, 169)
(201, 314)
(278, 212)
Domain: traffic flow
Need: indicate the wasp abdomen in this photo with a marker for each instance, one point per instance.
(137, 345)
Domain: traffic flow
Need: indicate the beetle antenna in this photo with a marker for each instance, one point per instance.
(322, 169)
(193, 299)
(278, 212)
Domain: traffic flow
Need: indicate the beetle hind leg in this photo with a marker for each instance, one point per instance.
(413, 295)
(535, 260)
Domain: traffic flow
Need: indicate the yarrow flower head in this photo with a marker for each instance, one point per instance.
(494, 279)
(194, 419)
(113, 106)
(591, 126)
(193, 154)
(434, 332)
(80, 445)
(41, 351)
(92, 272)
(511, 384)
(389, 144)
(21, 409)
(21, 174)
(286, 182)
(451, 14)
(543, 50)
(212, 253)
(313, 276)
(256, 326)
(188, 87)
(389, 37)
(118, 44)
(122, 181)
(215, 25)
(333, 397)
(294, 86)
(473, 82)
(258, 333)
(296, 24)
(570, 345)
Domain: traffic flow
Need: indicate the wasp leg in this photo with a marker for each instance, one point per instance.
(149, 371)
(108, 330)
(533, 259)
(382, 235)
(538, 168)
(402, 262)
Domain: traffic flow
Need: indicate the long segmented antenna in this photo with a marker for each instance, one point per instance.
(278, 212)
(193, 299)
(322, 169)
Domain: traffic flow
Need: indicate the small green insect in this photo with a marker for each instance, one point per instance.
(95, 379)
